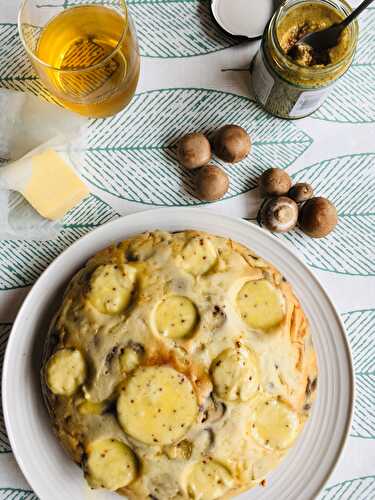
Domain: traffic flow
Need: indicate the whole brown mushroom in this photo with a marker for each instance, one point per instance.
(193, 150)
(301, 192)
(232, 143)
(274, 182)
(211, 183)
(279, 214)
(318, 217)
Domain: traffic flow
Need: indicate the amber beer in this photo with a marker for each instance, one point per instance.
(87, 56)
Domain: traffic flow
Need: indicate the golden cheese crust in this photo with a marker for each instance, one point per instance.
(178, 366)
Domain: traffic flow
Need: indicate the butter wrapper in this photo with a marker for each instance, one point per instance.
(29, 126)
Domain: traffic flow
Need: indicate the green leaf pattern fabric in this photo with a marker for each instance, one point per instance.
(16, 494)
(133, 155)
(21, 262)
(4, 334)
(361, 488)
(360, 326)
(174, 28)
(343, 105)
(349, 182)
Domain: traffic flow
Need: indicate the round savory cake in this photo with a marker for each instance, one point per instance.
(179, 366)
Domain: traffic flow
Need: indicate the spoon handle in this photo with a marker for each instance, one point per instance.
(356, 12)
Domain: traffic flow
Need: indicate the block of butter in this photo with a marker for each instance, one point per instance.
(47, 182)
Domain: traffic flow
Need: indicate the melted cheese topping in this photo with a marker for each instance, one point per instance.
(260, 305)
(176, 317)
(274, 425)
(208, 480)
(157, 405)
(235, 374)
(66, 371)
(181, 356)
(198, 256)
(110, 464)
(111, 288)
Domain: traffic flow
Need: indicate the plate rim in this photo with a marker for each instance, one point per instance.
(15, 449)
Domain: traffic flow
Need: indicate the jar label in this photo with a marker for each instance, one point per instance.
(262, 80)
(308, 102)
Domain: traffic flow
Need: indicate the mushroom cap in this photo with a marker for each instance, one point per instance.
(318, 217)
(211, 183)
(274, 182)
(193, 150)
(301, 192)
(232, 143)
(279, 214)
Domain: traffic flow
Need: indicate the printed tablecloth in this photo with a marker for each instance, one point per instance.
(188, 83)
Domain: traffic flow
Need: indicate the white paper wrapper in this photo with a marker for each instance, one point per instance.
(27, 126)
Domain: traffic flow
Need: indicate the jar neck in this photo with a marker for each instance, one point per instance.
(284, 65)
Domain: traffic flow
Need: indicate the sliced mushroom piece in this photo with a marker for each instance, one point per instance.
(219, 317)
(179, 451)
(204, 441)
(213, 411)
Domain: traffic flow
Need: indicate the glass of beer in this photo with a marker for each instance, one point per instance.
(85, 52)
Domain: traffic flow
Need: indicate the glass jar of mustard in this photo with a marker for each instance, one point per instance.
(290, 80)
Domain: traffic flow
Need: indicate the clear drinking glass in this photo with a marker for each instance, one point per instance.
(85, 52)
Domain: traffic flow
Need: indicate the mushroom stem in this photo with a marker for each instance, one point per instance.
(283, 214)
(279, 214)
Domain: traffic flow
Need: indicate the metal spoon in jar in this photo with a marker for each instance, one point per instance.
(328, 38)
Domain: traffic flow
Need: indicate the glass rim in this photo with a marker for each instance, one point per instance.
(97, 65)
(346, 9)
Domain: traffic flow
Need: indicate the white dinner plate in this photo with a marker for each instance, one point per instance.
(50, 472)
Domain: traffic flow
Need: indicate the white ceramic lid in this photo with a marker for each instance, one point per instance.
(243, 17)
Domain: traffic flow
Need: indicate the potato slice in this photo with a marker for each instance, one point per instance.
(274, 424)
(110, 464)
(198, 256)
(260, 304)
(208, 479)
(235, 374)
(65, 371)
(111, 288)
(176, 316)
(157, 405)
